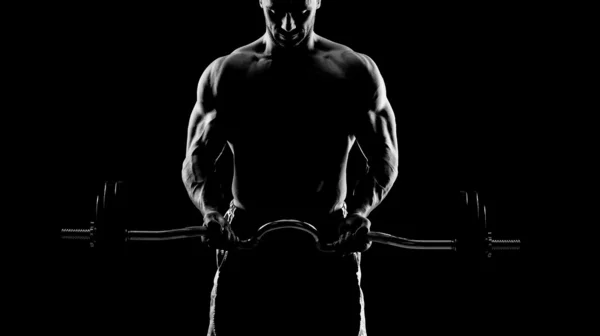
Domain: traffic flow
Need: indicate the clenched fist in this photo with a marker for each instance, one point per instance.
(219, 233)
(353, 234)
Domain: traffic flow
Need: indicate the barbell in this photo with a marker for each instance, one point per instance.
(109, 230)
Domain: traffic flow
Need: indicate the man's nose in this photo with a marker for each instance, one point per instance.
(288, 23)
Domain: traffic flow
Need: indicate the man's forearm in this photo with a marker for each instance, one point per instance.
(372, 188)
(205, 192)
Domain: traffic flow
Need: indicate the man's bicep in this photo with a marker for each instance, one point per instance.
(205, 107)
(376, 129)
(206, 138)
(376, 135)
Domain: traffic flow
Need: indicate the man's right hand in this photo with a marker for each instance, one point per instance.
(219, 233)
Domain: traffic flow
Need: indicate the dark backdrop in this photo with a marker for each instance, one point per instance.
(460, 78)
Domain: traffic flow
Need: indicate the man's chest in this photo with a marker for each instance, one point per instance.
(289, 99)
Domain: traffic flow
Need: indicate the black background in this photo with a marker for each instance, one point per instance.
(461, 78)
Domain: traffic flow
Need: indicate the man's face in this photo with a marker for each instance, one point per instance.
(290, 21)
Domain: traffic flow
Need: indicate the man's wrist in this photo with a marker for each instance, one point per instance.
(357, 213)
(210, 211)
(354, 209)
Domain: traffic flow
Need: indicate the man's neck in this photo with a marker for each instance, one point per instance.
(307, 46)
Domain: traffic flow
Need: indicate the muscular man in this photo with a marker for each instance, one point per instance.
(290, 106)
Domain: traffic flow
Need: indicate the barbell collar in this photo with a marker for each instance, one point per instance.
(506, 244)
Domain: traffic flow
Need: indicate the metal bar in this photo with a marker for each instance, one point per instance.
(376, 237)
(411, 244)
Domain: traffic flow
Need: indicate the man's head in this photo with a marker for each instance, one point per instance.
(290, 22)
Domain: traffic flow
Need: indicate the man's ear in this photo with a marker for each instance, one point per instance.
(318, 4)
(260, 3)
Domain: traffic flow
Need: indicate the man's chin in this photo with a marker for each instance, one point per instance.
(289, 42)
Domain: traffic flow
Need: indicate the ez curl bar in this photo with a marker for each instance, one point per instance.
(474, 238)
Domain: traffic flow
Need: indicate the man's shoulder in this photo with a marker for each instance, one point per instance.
(225, 66)
(243, 57)
(237, 60)
(345, 56)
(357, 66)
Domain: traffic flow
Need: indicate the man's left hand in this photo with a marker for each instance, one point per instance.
(353, 234)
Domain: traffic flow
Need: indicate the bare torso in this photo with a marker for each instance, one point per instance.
(289, 123)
